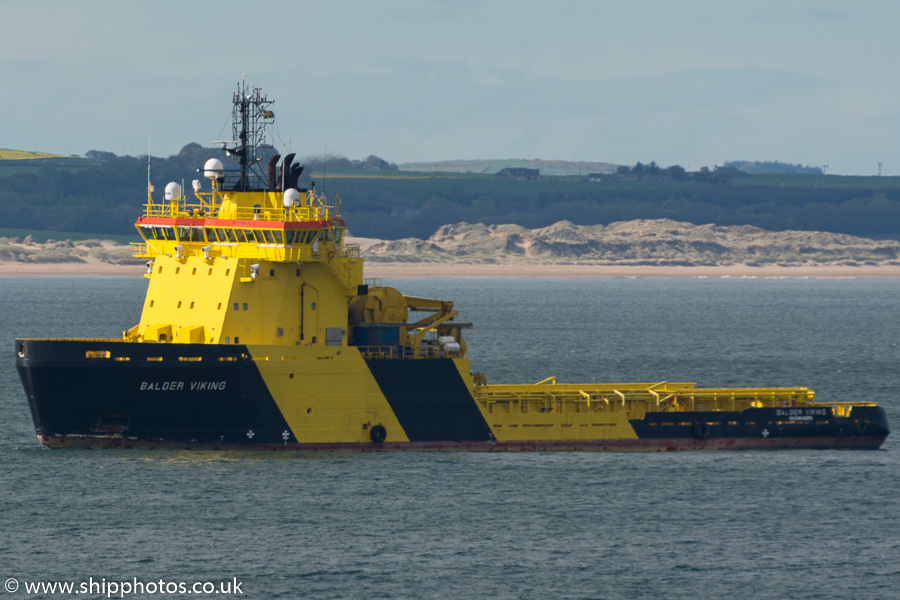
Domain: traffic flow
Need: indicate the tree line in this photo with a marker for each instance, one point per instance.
(104, 194)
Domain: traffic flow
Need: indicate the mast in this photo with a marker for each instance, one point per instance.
(250, 114)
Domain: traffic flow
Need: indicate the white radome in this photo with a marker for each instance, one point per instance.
(173, 191)
(291, 197)
(213, 168)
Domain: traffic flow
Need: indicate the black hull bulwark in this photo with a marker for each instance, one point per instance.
(107, 394)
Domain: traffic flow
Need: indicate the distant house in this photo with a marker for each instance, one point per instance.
(520, 174)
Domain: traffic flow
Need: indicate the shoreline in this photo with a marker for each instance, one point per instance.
(510, 270)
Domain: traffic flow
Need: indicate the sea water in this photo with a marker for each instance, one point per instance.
(754, 524)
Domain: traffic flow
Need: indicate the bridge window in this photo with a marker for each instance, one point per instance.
(162, 233)
(190, 234)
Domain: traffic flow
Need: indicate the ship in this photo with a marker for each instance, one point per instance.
(259, 330)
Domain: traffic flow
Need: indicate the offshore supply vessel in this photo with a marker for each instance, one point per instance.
(259, 330)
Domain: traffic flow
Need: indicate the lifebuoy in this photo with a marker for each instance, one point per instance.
(378, 434)
(701, 430)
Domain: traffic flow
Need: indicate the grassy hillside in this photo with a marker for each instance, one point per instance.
(6, 154)
(489, 167)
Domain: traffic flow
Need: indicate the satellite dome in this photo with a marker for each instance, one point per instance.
(173, 191)
(213, 169)
(291, 197)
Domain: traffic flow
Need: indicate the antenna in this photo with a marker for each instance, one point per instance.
(149, 185)
(880, 164)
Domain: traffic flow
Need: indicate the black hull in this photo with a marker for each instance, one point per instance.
(217, 399)
(115, 441)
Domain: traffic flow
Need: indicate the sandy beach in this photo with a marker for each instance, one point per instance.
(96, 268)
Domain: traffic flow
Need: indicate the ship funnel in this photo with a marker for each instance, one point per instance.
(272, 162)
(285, 172)
(294, 177)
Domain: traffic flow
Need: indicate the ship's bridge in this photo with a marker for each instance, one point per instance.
(296, 225)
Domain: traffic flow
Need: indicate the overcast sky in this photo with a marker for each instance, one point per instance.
(694, 82)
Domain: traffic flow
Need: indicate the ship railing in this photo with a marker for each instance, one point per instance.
(426, 351)
(296, 214)
(636, 399)
(349, 251)
(140, 250)
(242, 213)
